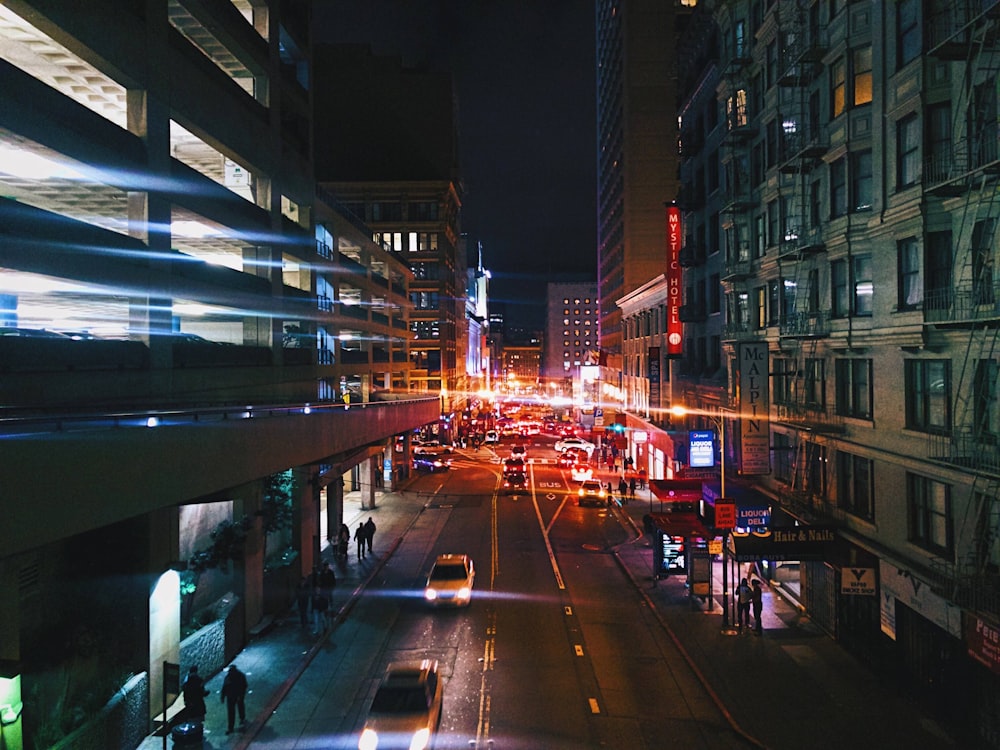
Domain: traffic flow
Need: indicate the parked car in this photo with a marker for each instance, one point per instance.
(406, 709)
(492, 437)
(450, 581)
(575, 442)
(591, 492)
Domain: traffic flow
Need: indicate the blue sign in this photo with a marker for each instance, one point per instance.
(753, 516)
(701, 449)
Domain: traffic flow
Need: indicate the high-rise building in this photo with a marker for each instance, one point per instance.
(636, 151)
(393, 163)
(840, 181)
(572, 330)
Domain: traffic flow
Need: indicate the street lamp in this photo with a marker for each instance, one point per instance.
(720, 423)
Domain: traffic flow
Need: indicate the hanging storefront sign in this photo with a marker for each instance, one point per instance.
(797, 543)
(753, 399)
(982, 640)
(857, 581)
(753, 516)
(675, 330)
(653, 373)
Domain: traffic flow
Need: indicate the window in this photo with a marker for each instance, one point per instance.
(771, 67)
(815, 383)
(759, 236)
(938, 136)
(815, 469)
(863, 286)
(851, 287)
(714, 295)
(771, 146)
(861, 181)
(783, 380)
(838, 84)
(741, 49)
(784, 457)
(907, 152)
(911, 281)
(760, 307)
(987, 379)
(982, 262)
(838, 188)
(937, 279)
(861, 63)
(907, 31)
(982, 124)
(736, 109)
(854, 388)
(856, 485)
(929, 514)
(773, 235)
(814, 203)
(928, 395)
(773, 302)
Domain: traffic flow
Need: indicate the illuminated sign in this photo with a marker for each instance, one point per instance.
(653, 374)
(754, 405)
(675, 331)
(753, 517)
(725, 514)
(701, 449)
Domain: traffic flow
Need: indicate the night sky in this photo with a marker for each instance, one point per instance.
(524, 78)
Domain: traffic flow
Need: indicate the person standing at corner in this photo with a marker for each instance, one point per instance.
(233, 693)
(194, 695)
(623, 490)
(757, 601)
(743, 594)
(302, 600)
(369, 532)
(360, 539)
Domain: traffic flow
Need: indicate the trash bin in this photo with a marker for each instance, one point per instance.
(188, 734)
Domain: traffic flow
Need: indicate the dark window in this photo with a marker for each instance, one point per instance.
(911, 286)
(861, 181)
(907, 31)
(839, 280)
(854, 388)
(838, 188)
(907, 152)
(928, 395)
(855, 485)
(929, 514)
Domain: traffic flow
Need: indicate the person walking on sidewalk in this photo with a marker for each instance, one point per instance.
(631, 487)
(194, 693)
(623, 491)
(369, 533)
(320, 604)
(757, 601)
(743, 595)
(233, 694)
(360, 539)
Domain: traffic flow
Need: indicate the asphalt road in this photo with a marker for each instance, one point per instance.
(556, 651)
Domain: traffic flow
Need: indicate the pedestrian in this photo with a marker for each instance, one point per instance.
(623, 490)
(611, 465)
(743, 595)
(369, 532)
(194, 693)
(233, 694)
(611, 498)
(642, 479)
(302, 596)
(757, 600)
(360, 539)
(327, 580)
(320, 604)
(631, 487)
(343, 539)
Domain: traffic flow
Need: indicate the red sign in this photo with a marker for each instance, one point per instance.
(982, 639)
(675, 333)
(725, 515)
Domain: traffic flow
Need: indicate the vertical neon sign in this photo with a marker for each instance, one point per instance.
(674, 328)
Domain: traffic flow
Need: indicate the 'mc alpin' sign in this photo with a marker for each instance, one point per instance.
(754, 406)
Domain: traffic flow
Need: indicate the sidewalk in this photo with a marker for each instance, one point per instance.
(790, 687)
(274, 660)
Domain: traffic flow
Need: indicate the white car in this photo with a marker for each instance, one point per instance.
(492, 437)
(450, 581)
(575, 442)
(406, 709)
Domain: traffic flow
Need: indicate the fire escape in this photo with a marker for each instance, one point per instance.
(804, 317)
(962, 168)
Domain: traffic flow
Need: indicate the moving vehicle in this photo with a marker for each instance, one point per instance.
(406, 709)
(575, 442)
(450, 581)
(591, 492)
(492, 437)
(515, 482)
(518, 451)
(580, 472)
(432, 462)
(513, 465)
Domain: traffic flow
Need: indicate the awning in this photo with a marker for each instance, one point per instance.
(681, 524)
(676, 490)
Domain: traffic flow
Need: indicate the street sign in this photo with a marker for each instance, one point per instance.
(725, 514)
